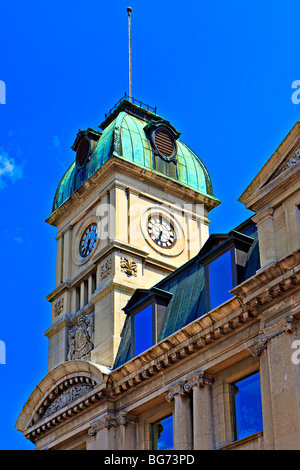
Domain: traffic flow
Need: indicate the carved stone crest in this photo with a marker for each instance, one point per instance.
(81, 341)
(58, 306)
(128, 266)
(105, 268)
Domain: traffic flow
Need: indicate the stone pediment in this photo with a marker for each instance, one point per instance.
(284, 161)
(65, 392)
(61, 386)
(288, 162)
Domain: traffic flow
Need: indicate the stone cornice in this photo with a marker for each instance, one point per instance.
(273, 191)
(115, 164)
(271, 281)
(114, 246)
(288, 145)
(236, 314)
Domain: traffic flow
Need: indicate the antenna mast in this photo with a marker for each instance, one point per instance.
(129, 10)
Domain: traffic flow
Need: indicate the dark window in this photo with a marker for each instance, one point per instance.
(247, 406)
(162, 434)
(83, 152)
(77, 298)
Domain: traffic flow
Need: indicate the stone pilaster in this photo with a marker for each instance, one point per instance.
(201, 387)
(264, 221)
(182, 417)
(114, 432)
(280, 386)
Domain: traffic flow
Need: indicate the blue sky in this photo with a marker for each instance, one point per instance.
(220, 72)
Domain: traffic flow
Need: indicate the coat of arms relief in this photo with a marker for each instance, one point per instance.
(81, 338)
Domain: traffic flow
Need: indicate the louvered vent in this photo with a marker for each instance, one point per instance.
(83, 152)
(164, 143)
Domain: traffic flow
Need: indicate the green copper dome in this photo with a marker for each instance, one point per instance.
(128, 134)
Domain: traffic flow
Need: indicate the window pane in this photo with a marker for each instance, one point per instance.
(248, 409)
(162, 434)
(143, 330)
(220, 280)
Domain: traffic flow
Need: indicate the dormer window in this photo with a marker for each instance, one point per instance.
(84, 146)
(147, 309)
(224, 259)
(83, 152)
(163, 138)
(220, 279)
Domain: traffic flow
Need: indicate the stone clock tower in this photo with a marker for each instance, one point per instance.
(130, 210)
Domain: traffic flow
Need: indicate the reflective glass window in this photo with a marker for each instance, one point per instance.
(143, 330)
(247, 406)
(220, 280)
(162, 434)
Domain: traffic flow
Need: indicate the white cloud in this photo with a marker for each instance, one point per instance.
(9, 170)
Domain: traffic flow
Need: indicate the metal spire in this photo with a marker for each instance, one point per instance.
(129, 10)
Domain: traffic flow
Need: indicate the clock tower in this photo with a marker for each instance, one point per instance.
(132, 208)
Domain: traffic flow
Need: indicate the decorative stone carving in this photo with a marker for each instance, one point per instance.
(105, 268)
(128, 266)
(198, 379)
(286, 325)
(295, 158)
(58, 306)
(110, 420)
(183, 387)
(176, 390)
(81, 338)
(63, 394)
(67, 397)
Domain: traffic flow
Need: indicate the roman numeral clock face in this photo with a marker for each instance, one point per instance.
(161, 232)
(88, 240)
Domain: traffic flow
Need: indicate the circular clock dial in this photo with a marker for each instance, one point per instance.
(88, 240)
(161, 232)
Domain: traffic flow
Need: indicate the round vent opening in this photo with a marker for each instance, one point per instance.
(164, 143)
(83, 152)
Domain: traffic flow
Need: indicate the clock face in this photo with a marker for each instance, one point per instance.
(88, 240)
(161, 232)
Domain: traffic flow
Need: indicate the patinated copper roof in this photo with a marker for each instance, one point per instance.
(125, 135)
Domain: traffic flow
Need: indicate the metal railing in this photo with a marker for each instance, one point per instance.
(134, 101)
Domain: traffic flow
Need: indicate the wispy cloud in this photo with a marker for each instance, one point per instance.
(18, 239)
(9, 170)
(56, 142)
